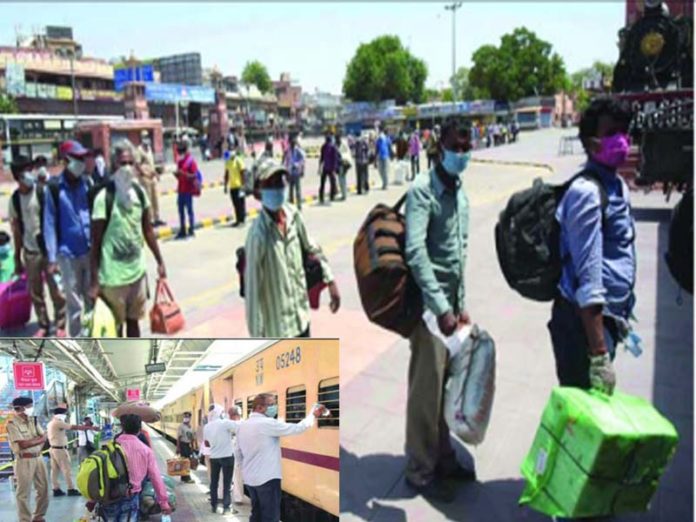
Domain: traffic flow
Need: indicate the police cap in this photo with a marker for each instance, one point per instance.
(22, 401)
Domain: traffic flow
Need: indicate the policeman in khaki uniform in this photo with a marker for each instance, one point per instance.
(26, 440)
(148, 177)
(60, 457)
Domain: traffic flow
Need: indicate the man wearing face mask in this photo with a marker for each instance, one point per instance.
(26, 439)
(66, 228)
(184, 441)
(57, 430)
(218, 438)
(590, 315)
(25, 209)
(121, 227)
(329, 164)
(42, 174)
(186, 178)
(148, 177)
(258, 451)
(276, 299)
(437, 230)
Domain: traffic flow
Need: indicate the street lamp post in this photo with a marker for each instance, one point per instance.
(453, 7)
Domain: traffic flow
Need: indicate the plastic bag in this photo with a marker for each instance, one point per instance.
(99, 321)
(470, 386)
(400, 172)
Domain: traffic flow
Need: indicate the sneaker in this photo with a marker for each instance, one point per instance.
(436, 490)
(74, 493)
(61, 333)
(192, 233)
(213, 509)
(41, 333)
(58, 493)
(180, 235)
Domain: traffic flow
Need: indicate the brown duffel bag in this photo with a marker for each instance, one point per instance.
(389, 295)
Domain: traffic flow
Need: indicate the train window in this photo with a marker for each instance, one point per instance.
(250, 405)
(328, 396)
(295, 404)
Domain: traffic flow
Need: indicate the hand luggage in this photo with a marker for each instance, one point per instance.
(99, 321)
(388, 293)
(596, 455)
(15, 303)
(178, 467)
(165, 316)
(470, 387)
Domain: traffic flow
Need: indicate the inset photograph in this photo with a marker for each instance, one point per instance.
(169, 430)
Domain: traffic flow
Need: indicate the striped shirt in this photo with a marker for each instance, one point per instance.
(141, 463)
(276, 290)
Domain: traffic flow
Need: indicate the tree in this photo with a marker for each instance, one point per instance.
(523, 65)
(8, 105)
(462, 85)
(384, 70)
(574, 82)
(255, 73)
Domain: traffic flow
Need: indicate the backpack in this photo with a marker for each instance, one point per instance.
(103, 476)
(680, 249)
(388, 292)
(527, 237)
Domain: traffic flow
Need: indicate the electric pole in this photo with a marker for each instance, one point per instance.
(453, 7)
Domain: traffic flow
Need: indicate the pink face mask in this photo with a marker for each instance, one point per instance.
(613, 150)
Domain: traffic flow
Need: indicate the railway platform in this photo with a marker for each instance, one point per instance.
(192, 498)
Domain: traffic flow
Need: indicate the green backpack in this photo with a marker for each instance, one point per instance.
(103, 476)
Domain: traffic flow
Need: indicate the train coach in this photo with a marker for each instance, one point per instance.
(299, 373)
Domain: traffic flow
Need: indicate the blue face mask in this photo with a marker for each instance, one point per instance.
(272, 411)
(273, 198)
(455, 162)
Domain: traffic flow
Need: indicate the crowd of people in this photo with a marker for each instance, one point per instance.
(246, 453)
(83, 234)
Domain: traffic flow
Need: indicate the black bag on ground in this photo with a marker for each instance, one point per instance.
(388, 293)
(527, 237)
(680, 250)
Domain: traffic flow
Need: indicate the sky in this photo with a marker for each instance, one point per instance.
(314, 41)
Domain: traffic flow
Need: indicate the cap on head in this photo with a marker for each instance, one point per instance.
(267, 168)
(22, 401)
(72, 148)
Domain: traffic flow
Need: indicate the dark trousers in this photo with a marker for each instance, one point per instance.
(570, 344)
(185, 203)
(431, 161)
(185, 451)
(295, 191)
(225, 464)
(239, 205)
(332, 182)
(363, 183)
(415, 166)
(265, 502)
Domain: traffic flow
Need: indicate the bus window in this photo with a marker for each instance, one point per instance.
(295, 404)
(329, 397)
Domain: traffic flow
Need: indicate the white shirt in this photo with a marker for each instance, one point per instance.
(258, 446)
(219, 434)
(84, 436)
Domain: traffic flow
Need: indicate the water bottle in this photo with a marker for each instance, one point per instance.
(327, 412)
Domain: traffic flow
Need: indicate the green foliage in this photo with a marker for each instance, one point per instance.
(447, 95)
(384, 70)
(523, 65)
(462, 85)
(255, 73)
(8, 105)
(574, 82)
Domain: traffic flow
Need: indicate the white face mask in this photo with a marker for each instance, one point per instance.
(29, 411)
(42, 174)
(76, 167)
(123, 179)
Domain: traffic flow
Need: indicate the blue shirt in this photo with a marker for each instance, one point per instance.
(437, 233)
(600, 261)
(383, 146)
(74, 220)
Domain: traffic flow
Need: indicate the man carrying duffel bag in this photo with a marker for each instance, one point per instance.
(437, 223)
